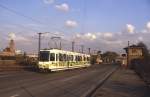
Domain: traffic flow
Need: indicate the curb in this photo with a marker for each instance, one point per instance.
(100, 83)
(143, 78)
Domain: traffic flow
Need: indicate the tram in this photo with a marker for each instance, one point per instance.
(55, 60)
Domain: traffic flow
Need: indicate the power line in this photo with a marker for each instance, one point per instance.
(28, 17)
(34, 20)
(18, 13)
(25, 16)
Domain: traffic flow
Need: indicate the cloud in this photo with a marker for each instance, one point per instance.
(144, 31)
(102, 40)
(90, 36)
(48, 1)
(19, 38)
(140, 38)
(12, 35)
(22, 39)
(130, 28)
(64, 7)
(108, 35)
(148, 26)
(71, 23)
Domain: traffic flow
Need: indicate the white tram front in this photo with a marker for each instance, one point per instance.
(55, 60)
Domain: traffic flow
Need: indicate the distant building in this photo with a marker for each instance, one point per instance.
(8, 51)
(133, 52)
(96, 58)
(122, 60)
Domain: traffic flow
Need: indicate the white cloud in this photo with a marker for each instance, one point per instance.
(78, 35)
(130, 28)
(114, 42)
(140, 38)
(48, 1)
(96, 40)
(62, 7)
(144, 31)
(148, 26)
(12, 35)
(20, 38)
(147, 29)
(71, 23)
(90, 36)
(108, 35)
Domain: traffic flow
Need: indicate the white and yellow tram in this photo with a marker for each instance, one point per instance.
(54, 60)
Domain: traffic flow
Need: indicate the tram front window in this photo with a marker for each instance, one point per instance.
(52, 57)
(44, 56)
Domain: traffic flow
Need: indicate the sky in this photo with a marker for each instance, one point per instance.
(105, 25)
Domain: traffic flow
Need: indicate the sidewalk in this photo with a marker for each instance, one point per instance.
(123, 83)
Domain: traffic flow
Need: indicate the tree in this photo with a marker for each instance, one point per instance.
(145, 51)
(109, 56)
(98, 52)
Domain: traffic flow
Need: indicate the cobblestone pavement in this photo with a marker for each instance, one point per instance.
(123, 83)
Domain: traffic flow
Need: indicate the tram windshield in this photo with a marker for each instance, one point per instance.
(44, 55)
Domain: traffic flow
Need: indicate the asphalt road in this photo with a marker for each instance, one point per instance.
(71, 83)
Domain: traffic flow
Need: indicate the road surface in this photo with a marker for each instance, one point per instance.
(71, 83)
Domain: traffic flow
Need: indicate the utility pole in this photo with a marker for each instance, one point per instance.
(60, 47)
(128, 43)
(82, 48)
(39, 44)
(89, 49)
(128, 53)
(73, 46)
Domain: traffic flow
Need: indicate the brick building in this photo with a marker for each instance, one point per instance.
(8, 52)
(133, 52)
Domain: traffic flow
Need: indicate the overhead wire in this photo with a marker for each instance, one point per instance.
(18, 13)
(28, 17)
(25, 16)
(37, 21)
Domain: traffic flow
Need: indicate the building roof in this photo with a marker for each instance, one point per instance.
(133, 46)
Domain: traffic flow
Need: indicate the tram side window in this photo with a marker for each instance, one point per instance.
(84, 58)
(60, 57)
(88, 58)
(76, 58)
(64, 57)
(52, 56)
(71, 57)
(67, 58)
(80, 58)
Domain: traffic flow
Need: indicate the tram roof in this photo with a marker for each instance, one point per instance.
(63, 51)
